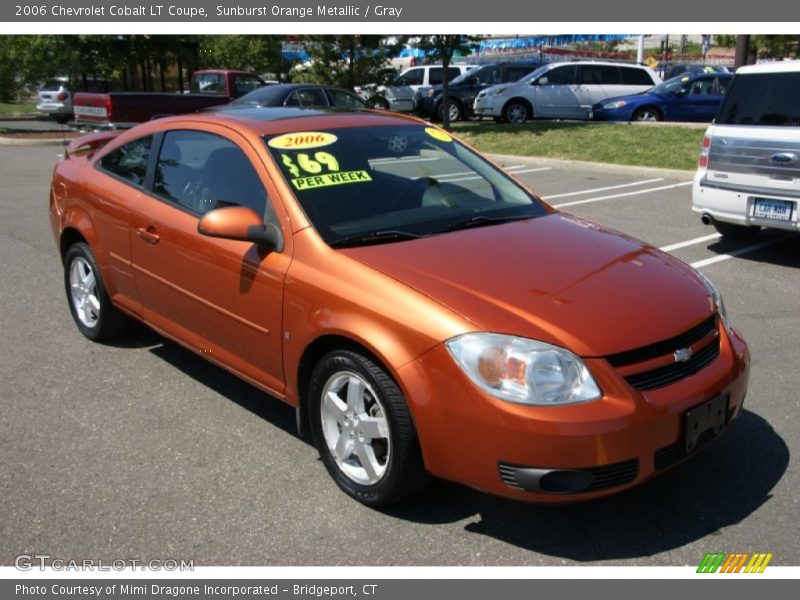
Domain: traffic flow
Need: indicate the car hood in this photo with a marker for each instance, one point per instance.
(556, 278)
(632, 99)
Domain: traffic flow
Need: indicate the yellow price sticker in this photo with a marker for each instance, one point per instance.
(329, 179)
(302, 140)
(438, 134)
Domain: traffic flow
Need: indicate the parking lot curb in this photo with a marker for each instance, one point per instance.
(596, 167)
(8, 141)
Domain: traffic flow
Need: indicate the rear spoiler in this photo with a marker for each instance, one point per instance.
(89, 144)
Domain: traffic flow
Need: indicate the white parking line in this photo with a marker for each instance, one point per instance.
(447, 178)
(738, 252)
(699, 240)
(647, 191)
(603, 189)
(389, 161)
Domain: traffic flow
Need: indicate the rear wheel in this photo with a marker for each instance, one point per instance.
(737, 232)
(647, 114)
(94, 314)
(362, 429)
(517, 111)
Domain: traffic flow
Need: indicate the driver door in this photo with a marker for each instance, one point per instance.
(221, 298)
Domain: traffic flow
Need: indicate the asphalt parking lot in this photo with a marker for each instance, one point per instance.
(143, 450)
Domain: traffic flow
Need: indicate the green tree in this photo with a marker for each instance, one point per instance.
(258, 53)
(443, 48)
(346, 60)
(766, 46)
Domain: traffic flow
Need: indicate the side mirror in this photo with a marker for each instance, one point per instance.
(243, 224)
(540, 81)
(681, 91)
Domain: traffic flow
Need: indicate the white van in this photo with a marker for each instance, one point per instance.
(565, 90)
(748, 174)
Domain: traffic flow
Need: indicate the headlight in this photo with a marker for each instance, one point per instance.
(522, 370)
(497, 91)
(431, 93)
(715, 296)
(613, 105)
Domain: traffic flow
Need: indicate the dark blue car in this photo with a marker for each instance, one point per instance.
(687, 97)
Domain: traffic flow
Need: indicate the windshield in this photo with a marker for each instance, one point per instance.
(263, 96)
(357, 184)
(535, 73)
(671, 85)
(767, 99)
(467, 74)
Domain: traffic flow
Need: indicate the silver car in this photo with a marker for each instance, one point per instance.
(55, 100)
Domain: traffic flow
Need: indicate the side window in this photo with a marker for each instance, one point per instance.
(209, 83)
(435, 76)
(201, 171)
(452, 73)
(344, 100)
(514, 73)
(561, 75)
(129, 162)
(701, 87)
(243, 84)
(634, 76)
(412, 77)
(311, 97)
(590, 74)
(489, 76)
(609, 75)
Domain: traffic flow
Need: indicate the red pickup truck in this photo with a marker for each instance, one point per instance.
(120, 110)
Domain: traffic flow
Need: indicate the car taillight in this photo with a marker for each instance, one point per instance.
(62, 96)
(108, 108)
(702, 161)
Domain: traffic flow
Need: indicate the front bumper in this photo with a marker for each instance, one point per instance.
(54, 108)
(622, 440)
(485, 106)
(598, 113)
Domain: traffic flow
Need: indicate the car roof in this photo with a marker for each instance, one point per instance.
(269, 120)
(786, 66)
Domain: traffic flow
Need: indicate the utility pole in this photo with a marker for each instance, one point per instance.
(742, 51)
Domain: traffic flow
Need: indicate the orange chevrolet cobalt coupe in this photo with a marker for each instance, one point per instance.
(424, 312)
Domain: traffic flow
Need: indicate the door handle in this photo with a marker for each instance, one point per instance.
(148, 234)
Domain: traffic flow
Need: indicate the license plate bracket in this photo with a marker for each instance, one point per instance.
(772, 209)
(710, 417)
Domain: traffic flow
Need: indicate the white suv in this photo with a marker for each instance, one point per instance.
(748, 174)
(563, 90)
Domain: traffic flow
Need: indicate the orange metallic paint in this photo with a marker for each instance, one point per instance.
(255, 312)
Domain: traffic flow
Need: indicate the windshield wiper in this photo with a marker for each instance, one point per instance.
(375, 237)
(481, 221)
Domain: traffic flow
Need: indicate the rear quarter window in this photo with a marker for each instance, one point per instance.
(129, 162)
(765, 99)
(633, 76)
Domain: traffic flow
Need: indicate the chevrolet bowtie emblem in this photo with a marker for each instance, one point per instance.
(683, 354)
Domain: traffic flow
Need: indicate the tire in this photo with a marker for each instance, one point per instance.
(736, 232)
(61, 119)
(517, 112)
(91, 308)
(647, 114)
(348, 392)
(455, 111)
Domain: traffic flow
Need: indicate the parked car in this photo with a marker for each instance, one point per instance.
(297, 95)
(463, 90)
(747, 173)
(682, 98)
(397, 308)
(563, 90)
(400, 94)
(692, 68)
(120, 110)
(55, 95)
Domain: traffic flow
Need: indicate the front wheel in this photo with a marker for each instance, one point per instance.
(646, 114)
(516, 112)
(362, 429)
(91, 308)
(454, 111)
